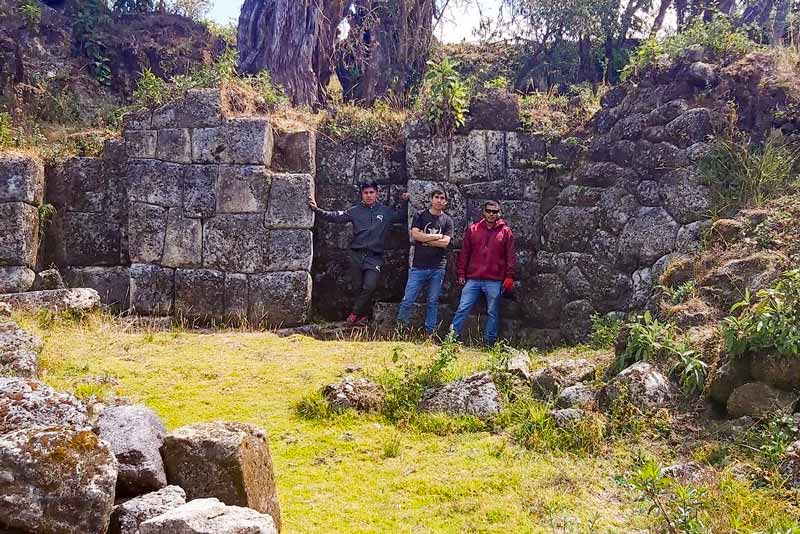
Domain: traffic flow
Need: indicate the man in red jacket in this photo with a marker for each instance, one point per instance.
(485, 266)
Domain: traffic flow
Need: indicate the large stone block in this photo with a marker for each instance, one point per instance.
(291, 250)
(570, 229)
(111, 283)
(90, 239)
(522, 217)
(16, 279)
(683, 197)
(152, 289)
(229, 461)
(242, 188)
(295, 152)
(78, 300)
(155, 182)
(200, 108)
(649, 235)
(199, 294)
(381, 164)
(279, 299)
(174, 145)
(420, 192)
(426, 159)
(336, 162)
(19, 233)
(140, 143)
(469, 161)
(183, 244)
(236, 242)
(208, 144)
(147, 229)
(522, 148)
(129, 515)
(199, 190)
(246, 140)
(235, 297)
(56, 479)
(140, 120)
(29, 403)
(204, 516)
(288, 201)
(21, 179)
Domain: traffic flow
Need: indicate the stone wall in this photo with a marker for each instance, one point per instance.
(21, 194)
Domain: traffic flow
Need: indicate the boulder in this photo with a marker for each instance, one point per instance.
(128, 516)
(727, 283)
(641, 384)
(688, 473)
(474, 395)
(55, 479)
(79, 299)
(552, 379)
(782, 372)
(135, 435)
(725, 232)
(357, 393)
(495, 109)
(790, 466)
(16, 279)
(648, 235)
(577, 321)
(567, 417)
(27, 403)
(229, 461)
(209, 516)
(727, 377)
(577, 396)
(519, 364)
(48, 279)
(18, 351)
(759, 400)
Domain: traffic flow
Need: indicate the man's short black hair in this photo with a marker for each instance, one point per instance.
(439, 192)
(367, 184)
(491, 203)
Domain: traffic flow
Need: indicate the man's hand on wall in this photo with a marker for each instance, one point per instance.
(312, 204)
(405, 196)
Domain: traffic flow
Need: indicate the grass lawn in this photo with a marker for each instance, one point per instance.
(353, 474)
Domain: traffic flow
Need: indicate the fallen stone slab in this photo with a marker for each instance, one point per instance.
(519, 364)
(229, 461)
(475, 395)
(559, 375)
(47, 280)
(359, 394)
(209, 516)
(128, 516)
(18, 351)
(641, 384)
(135, 435)
(757, 399)
(577, 396)
(55, 479)
(56, 300)
(27, 403)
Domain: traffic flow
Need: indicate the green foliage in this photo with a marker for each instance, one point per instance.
(446, 97)
(718, 37)
(500, 82)
(88, 43)
(679, 294)
(554, 115)
(773, 438)
(743, 174)
(391, 445)
(647, 338)
(605, 330)
(692, 371)
(31, 11)
(771, 323)
(313, 406)
(682, 509)
(364, 125)
(46, 213)
(7, 131)
(531, 424)
(133, 6)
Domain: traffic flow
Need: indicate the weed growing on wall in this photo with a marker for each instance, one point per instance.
(380, 122)
(679, 294)
(445, 97)
(553, 114)
(31, 11)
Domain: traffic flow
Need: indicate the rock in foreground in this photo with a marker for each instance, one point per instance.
(128, 516)
(475, 395)
(56, 300)
(757, 399)
(26, 403)
(357, 393)
(18, 351)
(55, 480)
(209, 516)
(641, 384)
(556, 376)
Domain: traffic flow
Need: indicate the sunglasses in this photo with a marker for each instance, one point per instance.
(493, 212)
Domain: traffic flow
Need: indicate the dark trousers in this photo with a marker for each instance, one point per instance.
(365, 272)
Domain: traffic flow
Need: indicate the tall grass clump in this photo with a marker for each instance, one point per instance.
(350, 122)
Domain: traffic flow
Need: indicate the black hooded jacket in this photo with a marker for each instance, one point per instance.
(369, 223)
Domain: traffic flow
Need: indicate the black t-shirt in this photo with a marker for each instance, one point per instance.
(427, 257)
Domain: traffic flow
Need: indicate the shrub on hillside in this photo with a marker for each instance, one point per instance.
(445, 97)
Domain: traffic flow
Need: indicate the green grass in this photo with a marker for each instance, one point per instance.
(347, 472)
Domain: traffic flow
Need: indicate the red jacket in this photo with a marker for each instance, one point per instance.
(487, 253)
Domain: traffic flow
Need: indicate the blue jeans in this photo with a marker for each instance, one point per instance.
(417, 278)
(469, 296)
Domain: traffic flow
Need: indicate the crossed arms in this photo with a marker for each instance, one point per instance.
(430, 240)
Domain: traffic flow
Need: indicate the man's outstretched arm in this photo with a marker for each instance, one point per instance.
(340, 216)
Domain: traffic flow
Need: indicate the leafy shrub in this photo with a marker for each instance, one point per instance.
(133, 6)
(445, 97)
(365, 125)
(647, 338)
(31, 11)
(605, 330)
(692, 371)
(772, 322)
(92, 13)
(500, 82)
(772, 439)
(679, 294)
(553, 115)
(718, 37)
(741, 173)
(7, 131)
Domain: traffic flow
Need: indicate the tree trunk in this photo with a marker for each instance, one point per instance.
(281, 37)
(659, 20)
(334, 12)
(779, 26)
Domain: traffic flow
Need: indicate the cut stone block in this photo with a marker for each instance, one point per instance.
(288, 201)
(291, 250)
(79, 299)
(379, 164)
(129, 515)
(236, 242)
(16, 279)
(495, 155)
(648, 236)
(207, 516)
(147, 228)
(21, 179)
(279, 299)
(152, 289)
(522, 148)
(141, 120)
(183, 244)
(235, 297)
(19, 232)
(200, 108)
(242, 189)
(199, 294)
(468, 158)
(336, 162)
(228, 461)
(199, 190)
(249, 140)
(90, 239)
(155, 182)
(174, 145)
(208, 145)
(295, 152)
(140, 143)
(426, 159)
(111, 283)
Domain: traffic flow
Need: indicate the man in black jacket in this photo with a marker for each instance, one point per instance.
(370, 220)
